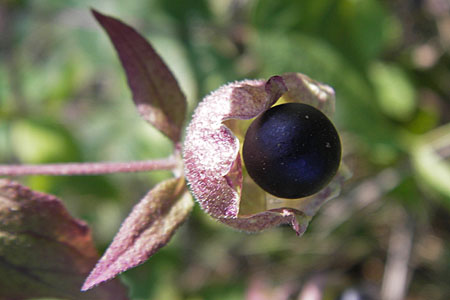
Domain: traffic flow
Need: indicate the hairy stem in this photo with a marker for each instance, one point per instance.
(89, 168)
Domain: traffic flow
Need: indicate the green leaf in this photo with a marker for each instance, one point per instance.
(430, 159)
(395, 93)
(41, 141)
(44, 252)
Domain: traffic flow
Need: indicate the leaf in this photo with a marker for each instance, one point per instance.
(149, 227)
(27, 136)
(44, 252)
(430, 161)
(395, 93)
(155, 90)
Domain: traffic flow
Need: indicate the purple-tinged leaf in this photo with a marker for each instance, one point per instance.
(44, 252)
(149, 227)
(155, 90)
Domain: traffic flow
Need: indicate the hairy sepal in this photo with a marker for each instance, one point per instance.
(211, 150)
(212, 160)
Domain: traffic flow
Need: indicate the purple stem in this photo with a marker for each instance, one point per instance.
(89, 168)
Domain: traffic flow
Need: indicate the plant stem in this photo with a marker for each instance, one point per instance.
(89, 168)
(397, 272)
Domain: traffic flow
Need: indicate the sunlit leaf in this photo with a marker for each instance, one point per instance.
(44, 252)
(431, 161)
(149, 227)
(395, 93)
(39, 141)
(155, 90)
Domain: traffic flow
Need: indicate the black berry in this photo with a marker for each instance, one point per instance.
(292, 150)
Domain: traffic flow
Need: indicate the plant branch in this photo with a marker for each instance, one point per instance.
(89, 168)
(397, 273)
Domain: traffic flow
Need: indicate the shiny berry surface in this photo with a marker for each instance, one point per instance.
(292, 150)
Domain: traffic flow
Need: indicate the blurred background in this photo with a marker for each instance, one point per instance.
(63, 97)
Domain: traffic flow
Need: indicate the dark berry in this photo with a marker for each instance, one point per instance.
(292, 150)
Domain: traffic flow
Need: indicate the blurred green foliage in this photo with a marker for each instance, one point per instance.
(63, 97)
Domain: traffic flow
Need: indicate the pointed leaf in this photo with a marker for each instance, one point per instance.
(155, 90)
(149, 227)
(44, 252)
